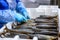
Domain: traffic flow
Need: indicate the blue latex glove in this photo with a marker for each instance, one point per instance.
(22, 10)
(19, 18)
(10, 16)
(18, 5)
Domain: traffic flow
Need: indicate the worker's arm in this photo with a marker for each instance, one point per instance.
(3, 5)
(22, 10)
(9, 15)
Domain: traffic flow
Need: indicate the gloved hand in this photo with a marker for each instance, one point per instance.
(10, 16)
(22, 10)
(18, 5)
(19, 18)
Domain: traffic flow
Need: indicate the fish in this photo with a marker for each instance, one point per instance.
(42, 37)
(47, 17)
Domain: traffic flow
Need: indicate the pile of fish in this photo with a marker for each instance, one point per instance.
(44, 27)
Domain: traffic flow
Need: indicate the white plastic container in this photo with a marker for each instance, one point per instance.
(35, 12)
(43, 10)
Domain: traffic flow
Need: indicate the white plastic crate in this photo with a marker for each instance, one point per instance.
(43, 10)
(35, 12)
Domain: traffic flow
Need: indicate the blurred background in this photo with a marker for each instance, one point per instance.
(36, 3)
